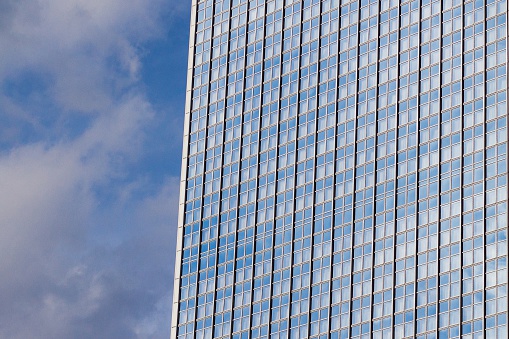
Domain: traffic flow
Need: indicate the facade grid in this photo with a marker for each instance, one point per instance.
(344, 171)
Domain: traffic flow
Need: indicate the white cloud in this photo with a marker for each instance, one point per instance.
(86, 49)
(54, 273)
(72, 264)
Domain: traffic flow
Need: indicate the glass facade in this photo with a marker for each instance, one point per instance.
(344, 171)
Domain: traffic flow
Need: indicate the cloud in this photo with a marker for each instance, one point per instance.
(67, 263)
(85, 239)
(83, 53)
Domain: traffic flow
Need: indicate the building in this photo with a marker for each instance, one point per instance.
(344, 171)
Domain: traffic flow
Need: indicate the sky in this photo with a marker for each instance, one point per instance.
(92, 97)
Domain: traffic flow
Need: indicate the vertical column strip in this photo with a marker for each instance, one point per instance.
(183, 174)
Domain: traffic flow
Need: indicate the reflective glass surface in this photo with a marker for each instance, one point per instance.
(346, 171)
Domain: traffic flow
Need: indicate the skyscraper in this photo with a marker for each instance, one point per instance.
(344, 171)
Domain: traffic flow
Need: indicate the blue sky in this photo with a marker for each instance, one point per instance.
(91, 107)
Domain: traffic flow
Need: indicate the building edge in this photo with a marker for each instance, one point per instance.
(183, 173)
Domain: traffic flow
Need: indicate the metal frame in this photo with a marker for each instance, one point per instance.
(183, 173)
